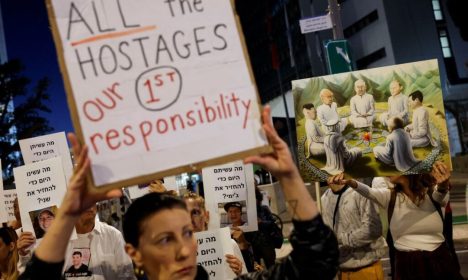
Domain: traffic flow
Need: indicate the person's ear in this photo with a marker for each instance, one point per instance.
(134, 254)
(207, 216)
(12, 246)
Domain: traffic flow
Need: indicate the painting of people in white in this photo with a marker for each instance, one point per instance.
(397, 104)
(387, 121)
(397, 150)
(419, 128)
(314, 133)
(338, 154)
(362, 106)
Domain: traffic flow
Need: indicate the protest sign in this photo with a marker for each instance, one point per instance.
(156, 88)
(41, 187)
(45, 147)
(7, 199)
(369, 123)
(213, 245)
(228, 185)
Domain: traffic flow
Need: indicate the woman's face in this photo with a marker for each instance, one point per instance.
(167, 248)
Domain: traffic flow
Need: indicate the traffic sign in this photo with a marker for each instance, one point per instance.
(338, 56)
(315, 24)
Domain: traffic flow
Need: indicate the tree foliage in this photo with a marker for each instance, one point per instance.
(26, 120)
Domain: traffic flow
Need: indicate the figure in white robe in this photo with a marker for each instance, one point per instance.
(397, 150)
(314, 139)
(314, 135)
(362, 110)
(419, 130)
(337, 153)
(329, 110)
(397, 105)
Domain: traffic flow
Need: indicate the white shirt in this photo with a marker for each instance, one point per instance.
(413, 227)
(420, 123)
(326, 113)
(361, 105)
(398, 106)
(108, 259)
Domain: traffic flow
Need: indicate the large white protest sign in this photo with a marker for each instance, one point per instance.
(40, 187)
(156, 88)
(45, 147)
(230, 184)
(213, 245)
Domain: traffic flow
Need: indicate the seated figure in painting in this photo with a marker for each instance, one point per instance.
(397, 105)
(328, 110)
(397, 150)
(419, 131)
(314, 135)
(338, 154)
(362, 106)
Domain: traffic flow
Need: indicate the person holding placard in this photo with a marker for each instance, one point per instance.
(200, 217)
(415, 221)
(162, 242)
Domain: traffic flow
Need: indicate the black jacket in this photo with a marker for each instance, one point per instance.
(314, 256)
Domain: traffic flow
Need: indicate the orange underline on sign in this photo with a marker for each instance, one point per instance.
(113, 35)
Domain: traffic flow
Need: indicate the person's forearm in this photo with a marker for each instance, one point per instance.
(301, 204)
(54, 245)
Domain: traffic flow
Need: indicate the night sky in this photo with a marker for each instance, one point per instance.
(29, 39)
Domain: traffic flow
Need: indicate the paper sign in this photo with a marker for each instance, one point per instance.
(41, 187)
(230, 183)
(315, 24)
(45, 147)
(371, 123)
(156, 88)
(213, 245)
(7, 199)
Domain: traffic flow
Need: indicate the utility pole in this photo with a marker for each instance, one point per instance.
(336, 19)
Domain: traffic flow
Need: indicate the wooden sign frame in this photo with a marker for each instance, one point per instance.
(163, 173)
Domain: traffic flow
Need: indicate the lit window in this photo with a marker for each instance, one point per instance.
(437, 12)
(446, 52)
(444, 42)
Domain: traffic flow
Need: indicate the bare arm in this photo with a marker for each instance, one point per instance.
(282, 166)
(77, 199)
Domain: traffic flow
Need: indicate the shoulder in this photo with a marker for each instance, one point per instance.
(108, 231)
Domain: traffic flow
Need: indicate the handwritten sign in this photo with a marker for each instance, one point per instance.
(230, 183)
(213, 245)
(45, 147)
(40, 187)
(154, 85)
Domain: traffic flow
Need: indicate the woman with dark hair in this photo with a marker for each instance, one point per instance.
(415, 222)
(159, 230)
(8, 254)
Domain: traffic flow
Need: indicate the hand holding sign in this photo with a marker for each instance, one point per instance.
(79, 197)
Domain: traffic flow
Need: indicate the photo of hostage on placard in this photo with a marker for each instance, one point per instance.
(42, 220)
(377, 122)
(79, 263)
(233, 214)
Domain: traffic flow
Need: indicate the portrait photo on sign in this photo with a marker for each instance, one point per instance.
(376, 122)
(42, 219)
(233, 214)
(79, 261)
